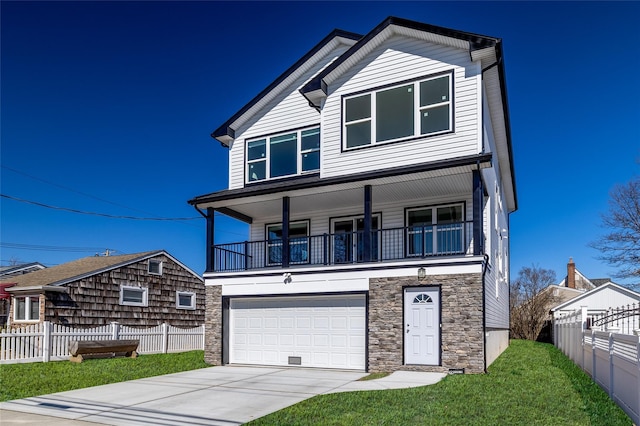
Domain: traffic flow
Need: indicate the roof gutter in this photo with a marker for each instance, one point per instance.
(38, 288)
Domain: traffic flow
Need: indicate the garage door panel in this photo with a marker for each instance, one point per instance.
(324, 331)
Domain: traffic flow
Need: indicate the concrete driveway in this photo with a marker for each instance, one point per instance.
(211, 396)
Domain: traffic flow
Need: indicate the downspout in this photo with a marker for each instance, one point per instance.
(485, 266)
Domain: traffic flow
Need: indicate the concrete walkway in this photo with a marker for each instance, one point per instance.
(211, 396)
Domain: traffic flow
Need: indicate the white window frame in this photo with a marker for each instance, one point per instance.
(154, 261)
(299, 153)
(145, 296)
(191, 294)
(417, 110)
(27, 310)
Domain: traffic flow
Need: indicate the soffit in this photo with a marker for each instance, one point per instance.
(399, 189)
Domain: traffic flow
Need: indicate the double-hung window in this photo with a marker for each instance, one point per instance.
(282, 155)
(298, 243)
(26, 308)
(422, 107)
(435, 230)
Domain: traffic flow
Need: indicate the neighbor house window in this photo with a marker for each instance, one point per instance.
(298, 243)
(422, 107)
(134, 296)
(282, 155)
(435, 230)
(185, 300)
(27, 308)
(155, 267)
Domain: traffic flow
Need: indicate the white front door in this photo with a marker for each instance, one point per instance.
(422, 325)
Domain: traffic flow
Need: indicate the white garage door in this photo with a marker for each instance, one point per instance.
(313, 331)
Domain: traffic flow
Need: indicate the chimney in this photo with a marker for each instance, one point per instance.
(571, 274)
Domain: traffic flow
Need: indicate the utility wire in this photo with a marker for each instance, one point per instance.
(35, 203)
(72, 190)
(20, 246)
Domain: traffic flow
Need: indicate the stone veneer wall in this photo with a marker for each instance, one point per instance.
(213, 326)
(461, 317)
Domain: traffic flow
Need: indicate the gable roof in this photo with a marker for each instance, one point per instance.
(226, 132)
(485, 49)
(72, 271)
(603, 287)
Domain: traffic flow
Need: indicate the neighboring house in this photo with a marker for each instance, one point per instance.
(376, 176)
(135, 289)
(25, 268)
(12, 271)
(598, 300)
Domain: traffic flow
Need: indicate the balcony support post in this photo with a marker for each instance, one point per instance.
(285, 231)
(210, 264)
(366, 237)
(478, 198)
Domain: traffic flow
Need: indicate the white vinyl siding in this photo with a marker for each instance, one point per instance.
(398, 60)
(289, 110)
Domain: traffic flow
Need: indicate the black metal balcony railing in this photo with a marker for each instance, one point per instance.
(348, 247)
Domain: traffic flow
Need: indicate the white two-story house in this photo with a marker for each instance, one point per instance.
(376, 176)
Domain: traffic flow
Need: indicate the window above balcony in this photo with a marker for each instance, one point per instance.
(394, 113)
(283, 155)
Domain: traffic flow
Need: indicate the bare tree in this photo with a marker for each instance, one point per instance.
(621, 246)
(530, 301)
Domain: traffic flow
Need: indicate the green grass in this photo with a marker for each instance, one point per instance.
(40, 378)
(530, 384)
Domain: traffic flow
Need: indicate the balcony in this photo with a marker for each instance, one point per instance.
(383, 245)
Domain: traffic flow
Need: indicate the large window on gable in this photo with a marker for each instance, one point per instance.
(282, 155)
(421, 107)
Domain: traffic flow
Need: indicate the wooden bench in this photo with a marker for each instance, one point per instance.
(78, 348)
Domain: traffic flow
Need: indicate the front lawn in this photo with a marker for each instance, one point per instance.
(530, 384)
(40, 378)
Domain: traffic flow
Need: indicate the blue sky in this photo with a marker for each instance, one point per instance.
(107, 107)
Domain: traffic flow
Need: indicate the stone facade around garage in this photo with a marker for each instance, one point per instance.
(462, 340)
(213, 326)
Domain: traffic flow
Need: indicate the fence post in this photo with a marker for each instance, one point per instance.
(583, 330)
(593, 354)
(165, 337)
(638, 364)
(611, 343)
(46, 341)
(115, 330)
(204, 339)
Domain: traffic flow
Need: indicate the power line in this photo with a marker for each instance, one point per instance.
(72, 190)
(19, 246)
(166, 219)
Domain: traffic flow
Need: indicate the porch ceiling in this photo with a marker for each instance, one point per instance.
(395, 189)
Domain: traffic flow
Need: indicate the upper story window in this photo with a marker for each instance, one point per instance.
(422, 107)
(282, 155)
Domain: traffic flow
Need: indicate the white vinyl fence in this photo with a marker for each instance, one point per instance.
(610, 358)
(49, 342)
